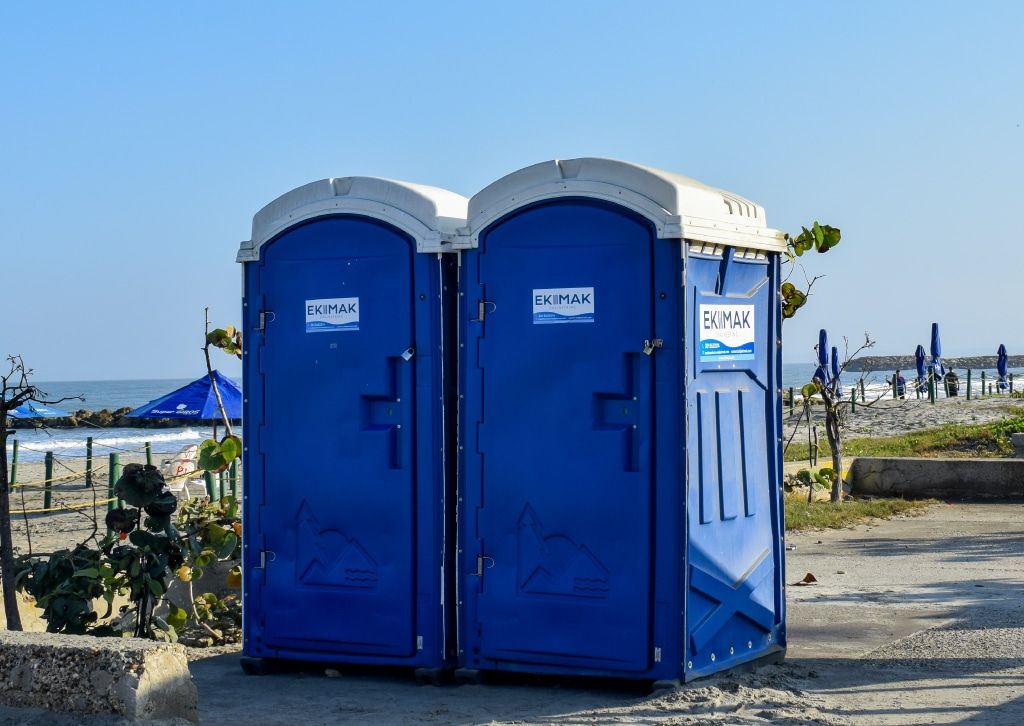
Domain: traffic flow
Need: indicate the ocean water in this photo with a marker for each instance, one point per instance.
(796, 375)
(69, 445)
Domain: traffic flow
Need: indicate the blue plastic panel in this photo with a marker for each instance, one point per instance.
(558, 425)
(344, 433)
(735, 601)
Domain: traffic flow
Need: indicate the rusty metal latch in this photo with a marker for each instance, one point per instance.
(650, 345)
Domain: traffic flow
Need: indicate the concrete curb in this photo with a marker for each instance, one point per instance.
(127, 677)
(942, 478)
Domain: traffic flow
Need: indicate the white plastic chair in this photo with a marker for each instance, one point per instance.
(184, 462)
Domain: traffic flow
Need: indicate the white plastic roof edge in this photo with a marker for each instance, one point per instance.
(679, 207)
(430, 215)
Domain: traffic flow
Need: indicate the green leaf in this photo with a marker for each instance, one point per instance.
(231, 448)
(87, 572)
(139, 484)
(211, 458)
(155, 586)
(809, 390)
(227, 546)
(830, 237)
(176, 617)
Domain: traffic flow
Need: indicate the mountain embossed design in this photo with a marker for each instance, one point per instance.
(555, 564)
(328, 557)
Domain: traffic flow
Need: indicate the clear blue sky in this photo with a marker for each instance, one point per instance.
(138, 139)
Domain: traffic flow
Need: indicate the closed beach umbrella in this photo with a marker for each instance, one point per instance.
(835, 372)
(922, 372)
(937, 366)
(196, 400)
(31, 409)
(1002, 363)
(821, 372)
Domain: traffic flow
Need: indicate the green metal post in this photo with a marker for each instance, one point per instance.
(792, 400)
(895, 385)
(88, 461)
(983, 384)
(968, 384)
(853, 399)
(931, 384)
(14, 461)
(115, 472)
(863, 398)
(208, 477)
(221, 485)
(111, 480)
(149, 453)
(48, 468)
(1011, 384)
(234, 479)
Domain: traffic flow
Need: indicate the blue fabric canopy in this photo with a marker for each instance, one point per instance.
(835, 372)
(32, 409)
(822, 372)
(922, 371)
(1002, 364)
(937, 367)
(196, 400)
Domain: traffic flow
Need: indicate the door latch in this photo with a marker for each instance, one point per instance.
(650, 345)
(482, 308)
(483, 562)
(264, 320)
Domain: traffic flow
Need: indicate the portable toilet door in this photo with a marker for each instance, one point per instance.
(345, 423)
(577, 521)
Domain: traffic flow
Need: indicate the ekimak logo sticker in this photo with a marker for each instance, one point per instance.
(563, 305)
(332, 315)
(726, 333)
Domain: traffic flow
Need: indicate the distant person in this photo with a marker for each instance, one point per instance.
(900, 382)
(952, 381)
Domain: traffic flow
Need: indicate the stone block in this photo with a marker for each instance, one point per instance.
(127, 677)
(942, 478)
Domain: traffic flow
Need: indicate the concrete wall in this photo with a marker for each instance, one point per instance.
(942, 478)
(126, 677)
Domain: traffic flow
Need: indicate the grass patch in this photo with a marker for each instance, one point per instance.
(955, 440)
(826, 515)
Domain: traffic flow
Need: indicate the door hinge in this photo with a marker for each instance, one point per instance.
(650, 345)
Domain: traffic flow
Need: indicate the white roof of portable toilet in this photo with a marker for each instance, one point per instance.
(429, 215)
(679, 207)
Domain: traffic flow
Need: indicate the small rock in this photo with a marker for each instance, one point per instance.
(332, 673)
(840, 572)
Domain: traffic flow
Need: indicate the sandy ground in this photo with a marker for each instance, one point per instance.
(78, 507)
(915, 620)
(889, 417)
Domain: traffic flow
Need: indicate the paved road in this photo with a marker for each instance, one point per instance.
(912, 621)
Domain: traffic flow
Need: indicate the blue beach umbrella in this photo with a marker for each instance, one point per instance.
(922, 372)
(821, 372)
(939, 369)
(32, 409)
(196, 400)
(1002, 363)
(835, 372)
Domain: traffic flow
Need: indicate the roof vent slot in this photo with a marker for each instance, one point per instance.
(341, 187)
(569, 168)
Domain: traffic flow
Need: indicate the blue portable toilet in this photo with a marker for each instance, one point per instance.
(620, 459)
(348, 413)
